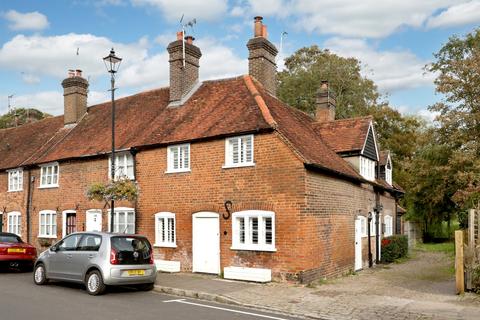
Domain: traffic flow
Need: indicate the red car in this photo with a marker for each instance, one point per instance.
(16, 254)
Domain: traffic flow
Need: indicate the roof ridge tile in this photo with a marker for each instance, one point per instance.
(267, 116)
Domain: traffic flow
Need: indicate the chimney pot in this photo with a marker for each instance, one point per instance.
(264, 31)
(179, 35)
(189, 39)
(257, 26)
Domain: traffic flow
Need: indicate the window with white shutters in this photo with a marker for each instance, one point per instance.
(49, 174)
(253, 230)
(15, 180)
(239, 151)
(165, 235)
(178, 158)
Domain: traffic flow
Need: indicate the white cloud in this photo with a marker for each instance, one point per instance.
(237, 11)
(34, 55)
(391, 70)
(201, 10)
(26, 21)
(153, 71)
(458, 15)
(428, 115)
(30, 78)
(352, 18)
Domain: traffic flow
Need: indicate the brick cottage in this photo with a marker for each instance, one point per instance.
(231, 179)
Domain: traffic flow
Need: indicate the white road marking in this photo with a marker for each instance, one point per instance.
(225, 309)
(175, 300)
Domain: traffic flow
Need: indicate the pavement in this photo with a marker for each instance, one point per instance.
(421, 288)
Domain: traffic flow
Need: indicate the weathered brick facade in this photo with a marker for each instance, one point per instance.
(314, 212)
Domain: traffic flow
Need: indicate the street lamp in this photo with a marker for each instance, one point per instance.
(112, 63)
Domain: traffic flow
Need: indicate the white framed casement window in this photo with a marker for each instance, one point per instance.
(367, 168)
(49, 175)
(123, 166)
(239, 152)
(363, 223)
(14, 222)
(253, 230)
(165, 227)
(47, 226)
(178, 158)
(388, 220)
(123, 220)
(15, 180)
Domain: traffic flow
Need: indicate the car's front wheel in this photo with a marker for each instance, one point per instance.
(94, 283)
(39, 274)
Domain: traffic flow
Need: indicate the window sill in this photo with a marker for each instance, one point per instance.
(165, 245)
(230, 166)
(178, 171)
(253, 248)
(20, 190)
(47, 237)
(49, 187)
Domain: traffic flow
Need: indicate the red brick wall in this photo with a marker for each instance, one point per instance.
(314, 213)
(275, 183)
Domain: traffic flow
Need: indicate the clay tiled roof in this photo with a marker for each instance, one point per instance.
(383, 157)
(347, 135)
(218, 108)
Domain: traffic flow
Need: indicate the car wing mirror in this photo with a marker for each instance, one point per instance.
(54, 248)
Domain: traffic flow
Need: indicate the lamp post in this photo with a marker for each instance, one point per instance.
(112, 63)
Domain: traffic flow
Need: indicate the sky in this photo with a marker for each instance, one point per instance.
(394, 39)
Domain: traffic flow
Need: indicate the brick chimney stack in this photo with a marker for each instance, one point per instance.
(261, 57)
(325, 103)
(75, 89)
(183, 75)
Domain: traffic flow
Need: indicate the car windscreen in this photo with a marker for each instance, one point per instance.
(131, 250)
(10, 238)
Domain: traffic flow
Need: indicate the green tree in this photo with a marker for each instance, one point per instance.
(307, 67)
(457, 65)
(355, 96)
(21, 116)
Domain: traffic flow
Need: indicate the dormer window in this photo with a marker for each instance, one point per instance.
(367, 168)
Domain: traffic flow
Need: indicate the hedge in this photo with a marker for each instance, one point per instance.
(394, 247)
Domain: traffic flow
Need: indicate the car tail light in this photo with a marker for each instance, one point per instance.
(113, 257)
(151, 259)
(3, 250)
(31, 251)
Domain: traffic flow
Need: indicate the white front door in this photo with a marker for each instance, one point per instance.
(358, 244)
(206, 242)
(94, 220)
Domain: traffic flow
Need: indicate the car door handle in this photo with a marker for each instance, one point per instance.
(69, 256)
(90, 256)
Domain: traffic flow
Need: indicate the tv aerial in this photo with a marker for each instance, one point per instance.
(184, 26)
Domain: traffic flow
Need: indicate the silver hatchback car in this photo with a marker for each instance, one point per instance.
(98, 259)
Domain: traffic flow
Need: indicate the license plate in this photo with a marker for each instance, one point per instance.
(136, 272)
(16, 250)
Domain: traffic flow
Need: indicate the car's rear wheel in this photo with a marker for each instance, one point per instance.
(39, 274)
(94, 283)
(146, 286)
